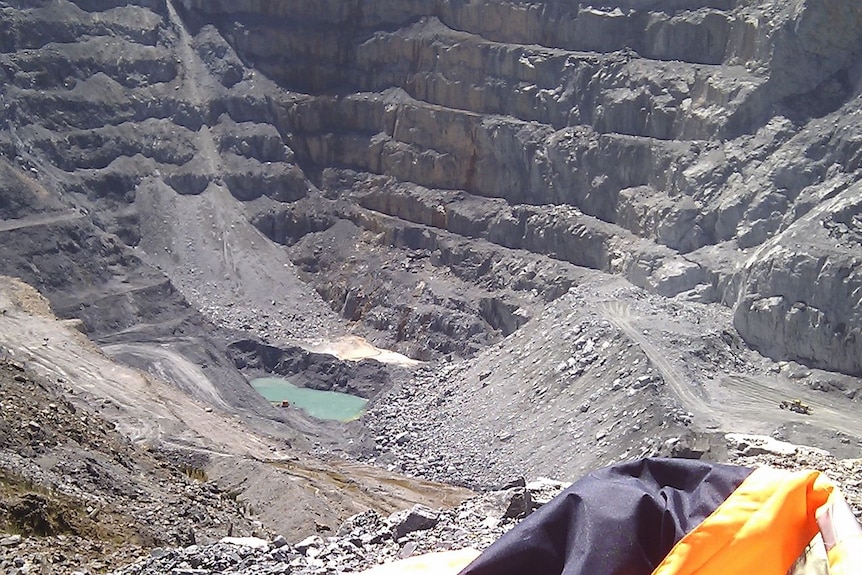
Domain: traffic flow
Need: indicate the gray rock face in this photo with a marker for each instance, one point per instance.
(802, 289)
(419, 518)
(610, 109)
(657, 141)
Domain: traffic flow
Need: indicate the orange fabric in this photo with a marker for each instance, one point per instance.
(761, 528)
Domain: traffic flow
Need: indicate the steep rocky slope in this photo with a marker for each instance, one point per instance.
(687, 147)
(436, 169)
(100, 463)
(611, 229)
(79, 494)
(369, 539)
(607, 372)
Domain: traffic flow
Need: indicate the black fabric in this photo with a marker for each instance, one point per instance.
(621, 520)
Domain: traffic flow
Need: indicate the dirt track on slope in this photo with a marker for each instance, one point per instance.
(171, 366)
(739, 401)
(757, 399)
(620, 314)
(40, 220)
(146, 409)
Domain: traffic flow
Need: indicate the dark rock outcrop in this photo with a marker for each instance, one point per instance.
(668, 124)
(658, 141)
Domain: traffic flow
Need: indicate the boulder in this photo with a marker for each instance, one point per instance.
(419, 518)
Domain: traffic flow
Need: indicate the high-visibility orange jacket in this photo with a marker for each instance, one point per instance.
(674, 517)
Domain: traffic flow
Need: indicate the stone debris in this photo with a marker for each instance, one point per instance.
(419, 518)
(453, 202)
(582, 384)
(542, 490)
(368, 539)
(364, 540)
(750, 445)
(77, 494)
(11, 540)
(253, 542)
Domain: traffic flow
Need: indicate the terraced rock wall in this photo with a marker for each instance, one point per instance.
(664, 142)
(438, 171)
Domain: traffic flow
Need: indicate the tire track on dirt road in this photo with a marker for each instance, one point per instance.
(739, 399)
(619, 314)
(40, 220)
(755, 399)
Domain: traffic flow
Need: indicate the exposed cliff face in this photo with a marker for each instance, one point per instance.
(684, 135)
(432, 174)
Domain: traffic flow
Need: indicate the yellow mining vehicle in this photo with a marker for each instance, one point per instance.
(796, 406)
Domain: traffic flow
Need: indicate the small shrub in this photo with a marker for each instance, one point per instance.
(195, 473)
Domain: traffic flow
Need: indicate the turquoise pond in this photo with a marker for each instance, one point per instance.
(320, 404)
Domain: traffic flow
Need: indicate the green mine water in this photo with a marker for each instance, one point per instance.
(320, 404)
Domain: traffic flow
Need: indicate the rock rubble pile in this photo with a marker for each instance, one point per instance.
(577, 398)
(365, 540)
(77, 494)
(368, 539)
